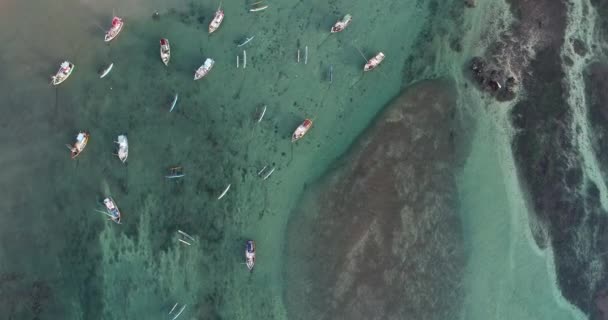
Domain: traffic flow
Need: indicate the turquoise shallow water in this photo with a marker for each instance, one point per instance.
(90, 268)
(60, 259)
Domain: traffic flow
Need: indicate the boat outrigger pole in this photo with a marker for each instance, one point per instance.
(361, 54)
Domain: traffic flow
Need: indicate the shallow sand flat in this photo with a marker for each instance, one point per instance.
(380, 238)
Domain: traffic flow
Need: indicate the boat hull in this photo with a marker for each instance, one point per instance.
(342, 24)
(217, 21)
(250, 254)
(258, 8)
(112, 209)
(174, 103)
(165, 51)
(78, 147)
(301, 130)
(123, 148)
(106, 71)
(374, 62)
(115, 30)
(63, 73)
(204, 69)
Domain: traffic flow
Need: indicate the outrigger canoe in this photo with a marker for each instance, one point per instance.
(112, 209)
(204, 69)
(301, 130)
(217, 20)
(374, 62)
(114, 30)
(165, 51)
(258, 6)
(104, 72)
(123, 148)
(250, 254)
(342, 24)
(81, 142)
(174, 102)
(65, 70)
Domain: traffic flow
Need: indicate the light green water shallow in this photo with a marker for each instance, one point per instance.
(96, 269)
(507, 276)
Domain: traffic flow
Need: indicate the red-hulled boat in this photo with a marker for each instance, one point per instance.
(342, 24)
(114, 30)
(301, 130)
(165, 51)
(217, 20)
(374, 62)
(204, 69)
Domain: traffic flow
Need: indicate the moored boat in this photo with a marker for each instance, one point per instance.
(217, 20)
(123, 148)
(81, 142)
(112, 209)
(374, 62)
(250, 254)
(204, 69)
(65, 70)
(301, 130)
(165, 51)
(340, 25)
(114, 30)
(104, 72)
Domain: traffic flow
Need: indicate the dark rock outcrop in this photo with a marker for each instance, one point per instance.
(492, 79)
(565, 203)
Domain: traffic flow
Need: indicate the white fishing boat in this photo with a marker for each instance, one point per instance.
(174, 103)
(301, 130)
(65, 70)
(217, 20)
(104, 72)
(165, 51)
(112, 209)
(123, 147)
(340, 25)
(250, 254)
(114, 30)
(204, 69)
(374, 62)
(81, 142)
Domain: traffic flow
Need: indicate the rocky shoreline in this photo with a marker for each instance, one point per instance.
(567, 214)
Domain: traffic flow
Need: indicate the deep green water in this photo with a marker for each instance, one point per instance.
(60, 259)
